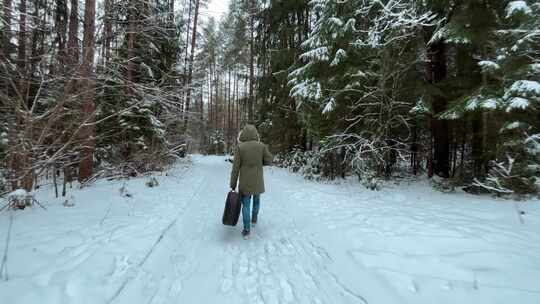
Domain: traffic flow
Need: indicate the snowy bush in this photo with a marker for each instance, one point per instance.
(365, 169)
(124, 192)
(444, 185)
(507, 178)
(369, 179)
(153, 182)
(306, 163)
(327, 164)
(69, 202)
(20, 199)
(294, 160)
(517, 171)
(371, 160)
(516, 8)
(216, 143)
(3, 139)
(3, 183)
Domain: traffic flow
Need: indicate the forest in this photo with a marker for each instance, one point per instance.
(378, 151)
(377, 89)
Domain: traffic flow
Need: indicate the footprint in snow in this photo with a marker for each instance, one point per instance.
(270, 249)
(270, 296)
(413, 286)
(286, 288)
(226, 285)
(263, 265)
(176, 288)
(243, 264)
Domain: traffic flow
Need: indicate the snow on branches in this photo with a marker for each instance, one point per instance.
(389, 21)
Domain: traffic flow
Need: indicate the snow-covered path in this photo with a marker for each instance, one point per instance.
(315, 243)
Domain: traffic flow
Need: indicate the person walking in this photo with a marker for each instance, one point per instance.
(249, 158)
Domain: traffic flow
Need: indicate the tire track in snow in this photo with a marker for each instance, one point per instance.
(3, 268)
(76, 255)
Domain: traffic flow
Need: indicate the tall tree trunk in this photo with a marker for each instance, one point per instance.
(229, 93)
(478, 145)
(251, 100)
(210, 100)
(216, 98)
(88, 131)
(21, 53)
(191, 59)
(171, 13)
(131, 40)
(21, 157)
(107, 31)
(61, 33)
(186, 57)
(6, 44)
(21, 56)
(237, 105)
(245, 115)
(414, 149)
(69, 53)
(454, 150)
(36, 52)
(73, 44)
(235, 100)
(201, 110)
(462, 149)
(436, 72)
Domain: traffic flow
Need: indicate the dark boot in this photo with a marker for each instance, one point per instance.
(254, 219)
(245, 234)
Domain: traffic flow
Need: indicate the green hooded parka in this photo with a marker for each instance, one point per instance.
(249, 158)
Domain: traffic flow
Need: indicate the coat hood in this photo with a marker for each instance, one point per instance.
(249, 133)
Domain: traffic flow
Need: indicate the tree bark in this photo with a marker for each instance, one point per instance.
(216, 98)
(21, 56)
(36, 51)
(191, 59)
(251, 100)
(131, 41)
(237, 106)
(61, 33)
(107, 31)
(210, 114)
(186, 57)
(7, 29)
(6, 44)
(436, 72)
(229, 94)
(21, 53)
(478, 145)
(171, 13)
(73, 44)
(21, 157)
(88, 107)
(414, 149)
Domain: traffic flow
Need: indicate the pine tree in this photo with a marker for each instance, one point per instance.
(352, 77)
(282, 28)
(510, 91)
(483, 89)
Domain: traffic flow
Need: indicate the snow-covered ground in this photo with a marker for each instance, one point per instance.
(315, 243)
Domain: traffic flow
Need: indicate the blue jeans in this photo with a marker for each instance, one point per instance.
(246, 205)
